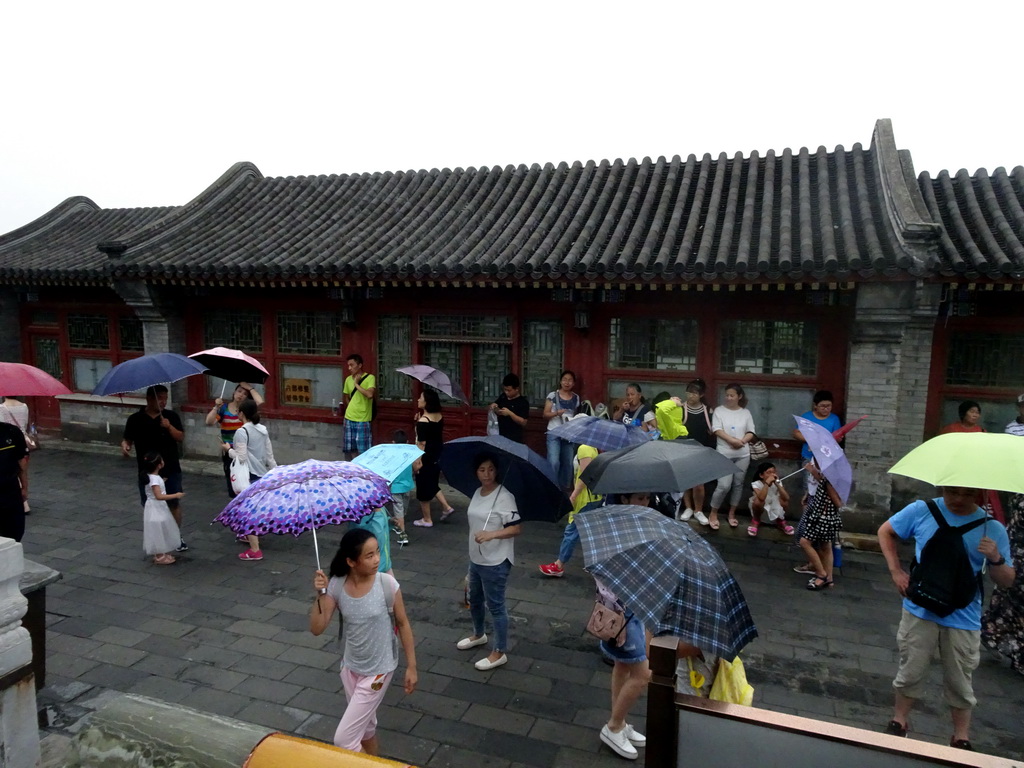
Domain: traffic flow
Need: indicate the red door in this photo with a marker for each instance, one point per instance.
(44, 352)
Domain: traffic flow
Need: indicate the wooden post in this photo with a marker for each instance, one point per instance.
(662, 723)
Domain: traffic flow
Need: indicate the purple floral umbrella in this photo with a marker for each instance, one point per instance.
(293, 498)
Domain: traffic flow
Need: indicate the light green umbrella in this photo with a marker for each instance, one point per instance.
(967, 459)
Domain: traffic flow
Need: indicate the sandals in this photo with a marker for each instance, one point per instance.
(733, 522)
(447, 513)
(752, 529)
(164, 560)
(819, 583)
(421, 523)
(896, 728)
(714, 524)
(785, 527)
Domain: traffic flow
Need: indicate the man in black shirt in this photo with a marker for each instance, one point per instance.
(13, 481)
(512, 408)
(156, 429)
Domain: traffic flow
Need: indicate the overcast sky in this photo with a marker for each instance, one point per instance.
(146, 104)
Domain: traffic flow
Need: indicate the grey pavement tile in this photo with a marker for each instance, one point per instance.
(248, 628)
(308, 677)
(293, 605)
(520, 749)
(120, 636)
(478, 692)
(328, 641)
(448, 756)
(445, 731)
(428, 682)
(251, 612)
(166, 627)
(322, 702)
(214, 655)
(498, 719)
(67, 665)
(212, 677)
(319, 728)
(80, 627)
(398, 718)
(113, 676)
(166, 646)
(116, 654)
(57, 642)
(273, 669)
(539, 610)
(308, 657)
(552, 707)
(257, 647)
(436, 704)
(218, 702)
(162, 666)
(208, 636)
(532, 684)
(264, 689)
(558, 671)
(273, 715)
(404, 747)
(563, 734)
(164, 689)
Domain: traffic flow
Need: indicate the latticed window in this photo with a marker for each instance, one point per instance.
(653, 344)
(394, 345)
(490, 364)
(777, 347)
(130, 330)
(542, 358)
(465, 327)
(235, 329)
(985, 360)
(308, 333)
(89, 331)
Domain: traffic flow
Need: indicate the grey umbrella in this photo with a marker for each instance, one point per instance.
(656, 465)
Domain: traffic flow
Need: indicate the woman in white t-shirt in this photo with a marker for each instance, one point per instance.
(733, 426)
(493, 522)
(559, 406)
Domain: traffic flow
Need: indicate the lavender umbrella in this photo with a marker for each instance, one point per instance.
(437, 379)
(831, 460)
(293, 498)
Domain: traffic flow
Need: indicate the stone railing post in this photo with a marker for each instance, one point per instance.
(19, 728)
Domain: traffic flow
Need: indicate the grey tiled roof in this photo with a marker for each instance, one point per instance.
(61, 245)
(790, 215)
(983, 221)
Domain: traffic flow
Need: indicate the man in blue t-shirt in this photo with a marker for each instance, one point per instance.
(958, 635)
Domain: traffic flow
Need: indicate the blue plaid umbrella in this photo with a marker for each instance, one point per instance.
(668, 575)
(602, 434)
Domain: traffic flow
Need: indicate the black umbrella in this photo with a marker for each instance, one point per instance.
(656, 465)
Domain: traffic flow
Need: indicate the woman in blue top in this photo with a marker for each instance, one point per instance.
(560, 405)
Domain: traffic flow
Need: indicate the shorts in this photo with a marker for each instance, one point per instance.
(959, 653)
(634, 649)
(358, 436)
(396, 507)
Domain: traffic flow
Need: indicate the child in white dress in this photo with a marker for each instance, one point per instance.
(769, 498)
(160, 534)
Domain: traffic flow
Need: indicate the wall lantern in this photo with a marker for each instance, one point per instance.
(348, 314)
(581, 317)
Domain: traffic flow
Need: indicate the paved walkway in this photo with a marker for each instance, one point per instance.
(231, 637)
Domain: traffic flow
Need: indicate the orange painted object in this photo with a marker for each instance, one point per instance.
(278, 750)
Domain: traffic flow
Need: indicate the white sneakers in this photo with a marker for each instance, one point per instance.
(701, 517)
(625, 742)
(685, 515)
(468, 642)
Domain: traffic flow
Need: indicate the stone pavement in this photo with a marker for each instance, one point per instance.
(230, 637)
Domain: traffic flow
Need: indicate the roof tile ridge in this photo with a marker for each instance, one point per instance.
(694, 223)
(786, 260)
(748, 214)
(493, 189)
(951, 212)
(826, 225)
(387, 204)
(591, 209)
(516, 218)
(600, 221)
(229, 182)
(847, 223)
(723, 251)
(767, 212)
(1006, 238)
(654, 198)
(622, 244)
(496, 221)
(901, 194)
(808, 258)
(707, 238)
(436, 230)
(538, 207)
(328, 220)
(1010, 203)
(605, 253)
(551, 249)
(993, 254)
(48, 221)
(482, 187)
(663, 218)
(862, 162)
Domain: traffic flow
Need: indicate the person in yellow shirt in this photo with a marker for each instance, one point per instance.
(581, 498)
(358, 391)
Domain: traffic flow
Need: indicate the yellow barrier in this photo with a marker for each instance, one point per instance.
(278, 750)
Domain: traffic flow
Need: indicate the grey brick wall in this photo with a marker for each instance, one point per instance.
(889, 362)
(10, 342)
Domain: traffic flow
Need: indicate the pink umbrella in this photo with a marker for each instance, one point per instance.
(27, 380)
(840, 433)
(231, 365)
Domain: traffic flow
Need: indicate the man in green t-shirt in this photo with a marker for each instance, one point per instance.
(358, 393)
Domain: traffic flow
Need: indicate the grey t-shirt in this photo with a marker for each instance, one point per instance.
(369, 628)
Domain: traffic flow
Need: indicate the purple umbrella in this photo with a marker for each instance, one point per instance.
(437, 379)
(293, 498)
(830, 457)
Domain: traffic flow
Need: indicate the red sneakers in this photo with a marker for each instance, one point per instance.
(552, 569)
(251, 554)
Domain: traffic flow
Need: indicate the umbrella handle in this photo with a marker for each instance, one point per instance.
(802, 469)
(223, 384)
(316, 546)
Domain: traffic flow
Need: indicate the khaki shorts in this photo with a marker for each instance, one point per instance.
(959, 651)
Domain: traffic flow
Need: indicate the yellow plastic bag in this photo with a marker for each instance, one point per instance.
(669, 416)
(731, 684)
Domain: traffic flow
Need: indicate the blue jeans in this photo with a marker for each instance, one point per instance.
(487, 585)
(560, 456)
(570, 538)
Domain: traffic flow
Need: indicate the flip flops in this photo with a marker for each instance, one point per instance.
(733, 522)
(714, 524)
(752, 530)
(819, 583)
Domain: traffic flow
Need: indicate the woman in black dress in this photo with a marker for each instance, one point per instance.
(429, 439)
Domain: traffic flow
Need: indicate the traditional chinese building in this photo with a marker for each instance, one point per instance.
(787, 272)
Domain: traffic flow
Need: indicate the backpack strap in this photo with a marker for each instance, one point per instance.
(961, 529)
